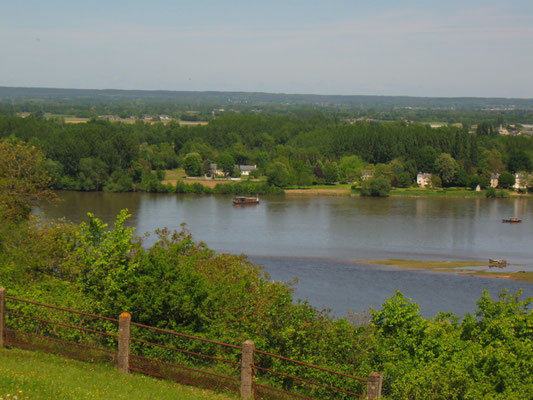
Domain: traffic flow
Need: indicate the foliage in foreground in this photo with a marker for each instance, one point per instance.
(182, 285)
(23, 179)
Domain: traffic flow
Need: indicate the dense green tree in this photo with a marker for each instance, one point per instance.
(486, 129)
(236, 173)
(226, 162)
(384, 171)
(425, 158)
(492, 161)
(518, 160)
(23, 179)
(506, 180)
(349, 167)
(435, 181)
(404, 180)
(318, 170)
(278, 174)
(119, 181)
(93, 174)
(331, 172)
(446, 167)
(192, 164)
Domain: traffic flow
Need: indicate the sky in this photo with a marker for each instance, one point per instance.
(381, 47)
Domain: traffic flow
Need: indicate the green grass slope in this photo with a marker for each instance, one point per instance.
(34, 375)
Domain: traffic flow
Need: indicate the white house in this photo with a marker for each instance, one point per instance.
(494, 180)
(246, 169)
(214, 171)
(503, 131)
(520, 182)
(367, 175)
(423, 179)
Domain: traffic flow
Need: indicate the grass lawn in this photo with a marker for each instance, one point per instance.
(337, 186)
(173, 174)
(192, 123)
(34, 375)
(448, 192)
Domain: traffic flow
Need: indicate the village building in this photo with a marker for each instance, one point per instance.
(367, 175)
(164, 117)
(503, 131)
(109, 117)
(520, 182)
(423, 179)
(494, 180)
(214, 171)
(246, 169)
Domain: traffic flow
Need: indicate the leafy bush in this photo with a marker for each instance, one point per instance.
(375, 187)
(506, 180)
(491, 193)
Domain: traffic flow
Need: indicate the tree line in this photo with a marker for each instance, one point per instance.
(305, 148)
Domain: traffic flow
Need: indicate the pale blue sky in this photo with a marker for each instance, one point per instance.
(417, 48)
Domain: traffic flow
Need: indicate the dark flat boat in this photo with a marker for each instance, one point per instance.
(241, 201)
(513, 220)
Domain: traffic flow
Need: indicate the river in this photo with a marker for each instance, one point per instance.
(317, 239)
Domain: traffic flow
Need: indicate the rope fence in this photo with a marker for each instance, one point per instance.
(164, 353)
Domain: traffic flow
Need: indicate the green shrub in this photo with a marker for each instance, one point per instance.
(375, 187)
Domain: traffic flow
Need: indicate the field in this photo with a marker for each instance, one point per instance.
(192, 123)
(173, 175)
(71, 119)
(34, 375)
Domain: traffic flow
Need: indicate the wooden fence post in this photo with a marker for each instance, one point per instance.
(373, 386)
(2, 316)
(247, 372)
(123, 357)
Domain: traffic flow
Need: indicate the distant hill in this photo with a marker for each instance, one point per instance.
(109, 96)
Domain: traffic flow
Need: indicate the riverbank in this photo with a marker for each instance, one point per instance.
(172, 177)
(345, 189)
(459, 267)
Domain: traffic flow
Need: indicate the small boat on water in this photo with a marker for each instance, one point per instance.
(497, 262)
(241, 200)
(513, 220)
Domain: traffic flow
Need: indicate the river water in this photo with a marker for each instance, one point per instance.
(318, 239)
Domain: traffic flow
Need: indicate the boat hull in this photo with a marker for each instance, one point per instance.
(244, 201)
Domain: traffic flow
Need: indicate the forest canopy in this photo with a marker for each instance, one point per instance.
(298, 149)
